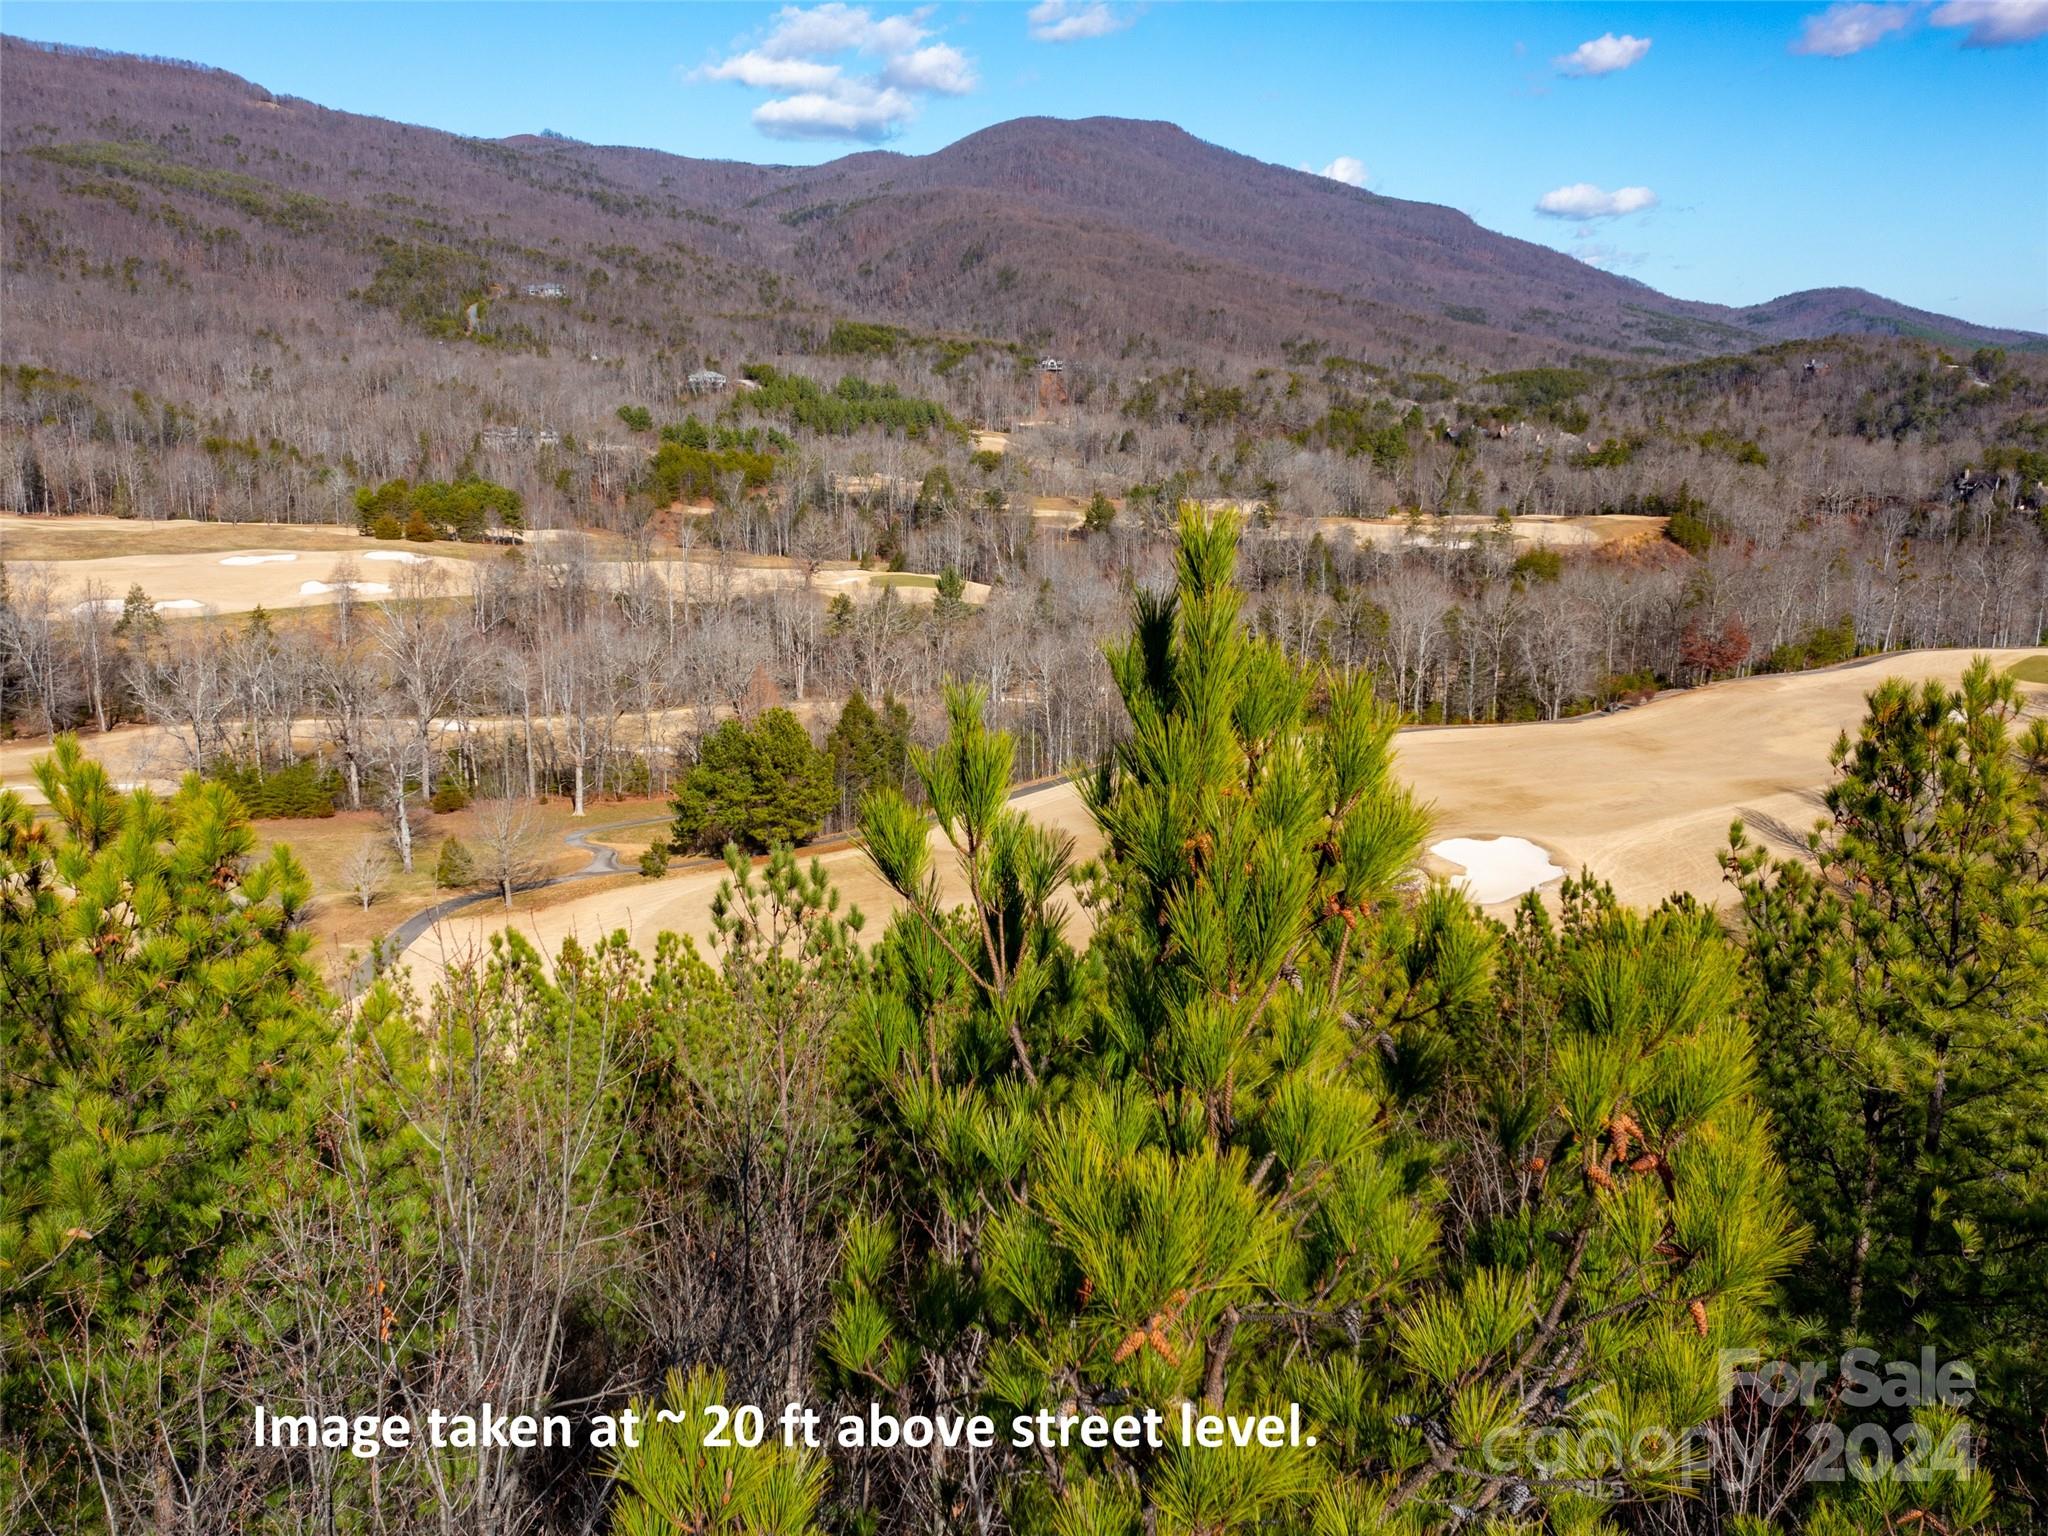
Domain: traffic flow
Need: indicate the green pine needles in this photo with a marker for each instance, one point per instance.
(1296, 1127)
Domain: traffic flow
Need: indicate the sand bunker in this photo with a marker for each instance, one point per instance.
(1496, 868)
(360, 588)
(178, 604)
(403, 556)
(256, 559)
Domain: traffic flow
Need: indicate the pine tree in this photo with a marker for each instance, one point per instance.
(756, 786)
(869, 750)
(454, 868)
(1199, 1164)
(1899, 984)
(166, 1046)
(678, 1486)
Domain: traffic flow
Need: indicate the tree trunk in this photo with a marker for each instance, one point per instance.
(1930, 1148)
(404, 821)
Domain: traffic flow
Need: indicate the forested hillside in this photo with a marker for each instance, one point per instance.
(222, 305)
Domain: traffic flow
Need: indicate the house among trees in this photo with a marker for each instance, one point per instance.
(545, 291)
(706, 381)
(1052, 385)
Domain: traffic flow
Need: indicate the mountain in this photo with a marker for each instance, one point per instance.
(1095, 213)
(243, 211)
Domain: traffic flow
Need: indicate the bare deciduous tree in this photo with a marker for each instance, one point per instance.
(366, 869)
(505, 846)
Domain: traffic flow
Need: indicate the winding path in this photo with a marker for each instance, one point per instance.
(603, 861)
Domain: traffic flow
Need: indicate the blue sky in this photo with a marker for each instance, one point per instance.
(1715, 151)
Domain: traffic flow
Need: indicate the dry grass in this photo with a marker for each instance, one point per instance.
(182, 564)
(338, 923)
(92, 538)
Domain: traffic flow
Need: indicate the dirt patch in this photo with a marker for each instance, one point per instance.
(1557, 532)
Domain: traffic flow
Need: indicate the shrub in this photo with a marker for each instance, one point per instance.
(454, 868)
(449, 795)
(654, 862)
(302, 790)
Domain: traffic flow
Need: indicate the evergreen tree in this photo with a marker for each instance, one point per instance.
(139, 621)
(676, 1483)
(1899, 986)
(756, 786)
(454, 867)
(165, 1045)
(1200, 1165)
(869, 750)
(35, 489)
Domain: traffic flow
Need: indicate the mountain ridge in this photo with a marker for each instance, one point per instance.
(1086, 234)
(1015, 154)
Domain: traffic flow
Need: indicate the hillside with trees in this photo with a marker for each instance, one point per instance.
(226, 305)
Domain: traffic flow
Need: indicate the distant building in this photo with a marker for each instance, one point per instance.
(706, 381)
(1052, 386)
(545, 291)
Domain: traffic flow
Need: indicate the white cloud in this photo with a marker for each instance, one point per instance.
(1994, 23)
(773, 74)
(851, 110)
(806, 32)
(1583, 200)
(803, 58)
(940, 68)
(1346, 168)
(1070, 21)
(1848, 28)
(1603, 55)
